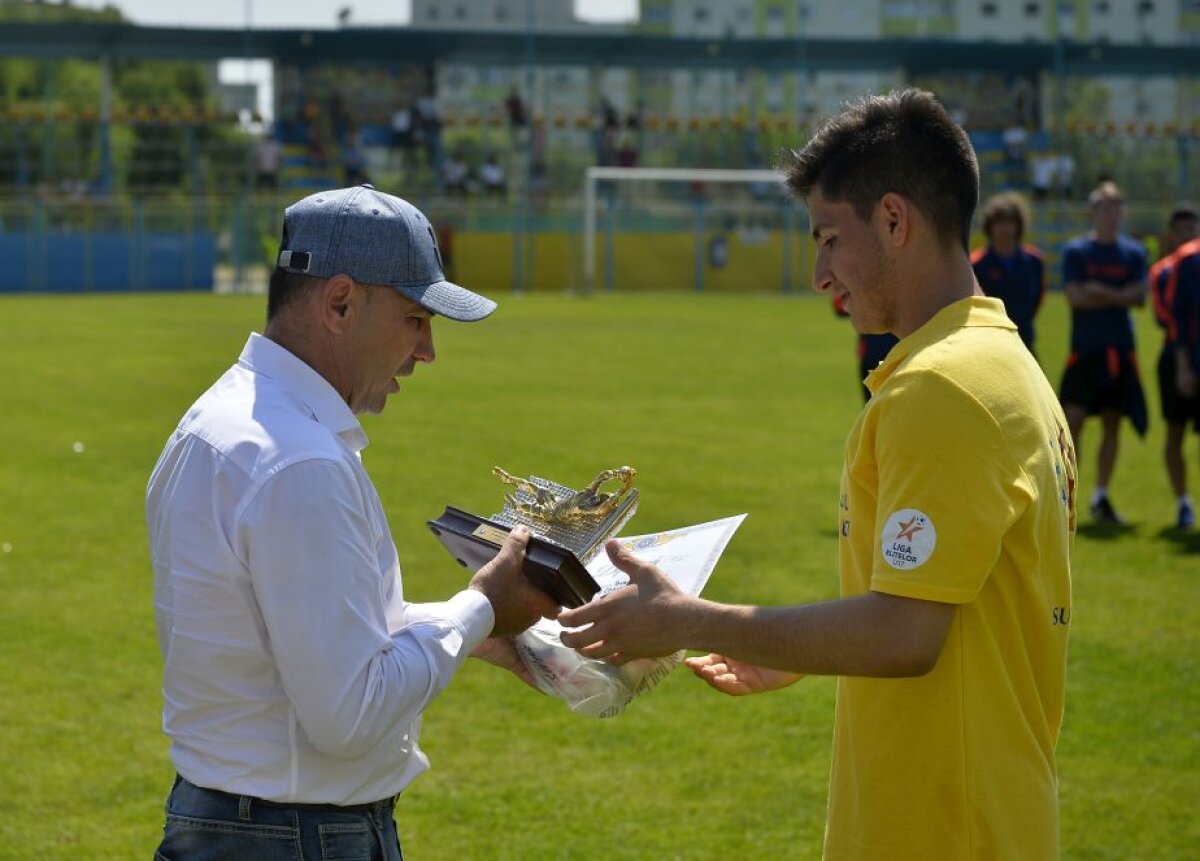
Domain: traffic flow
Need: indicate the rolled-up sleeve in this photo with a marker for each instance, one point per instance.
(311, 544)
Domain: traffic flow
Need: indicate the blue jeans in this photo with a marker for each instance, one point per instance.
(208, 825)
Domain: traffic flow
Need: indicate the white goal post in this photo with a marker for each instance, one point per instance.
(653, 174)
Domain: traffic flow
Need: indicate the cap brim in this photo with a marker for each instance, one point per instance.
(449, 300)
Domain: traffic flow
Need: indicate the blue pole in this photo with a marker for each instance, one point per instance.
(189, 248)
(89, 264)
(236, 246)
(37, 248)
(609, 240)
(137, 244)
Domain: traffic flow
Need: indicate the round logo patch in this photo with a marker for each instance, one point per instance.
(908, 539)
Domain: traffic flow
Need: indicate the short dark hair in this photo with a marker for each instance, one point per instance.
(284, 287)
(902, 142)
(1006, 206)
(1185, 211)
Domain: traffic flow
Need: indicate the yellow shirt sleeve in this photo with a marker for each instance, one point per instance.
(949, 490)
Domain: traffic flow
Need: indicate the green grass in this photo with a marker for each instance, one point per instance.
(724, 404)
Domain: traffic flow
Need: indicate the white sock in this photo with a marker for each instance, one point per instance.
(1101, 492)
(1184, 500)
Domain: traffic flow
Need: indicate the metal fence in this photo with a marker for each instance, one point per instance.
(644, 238)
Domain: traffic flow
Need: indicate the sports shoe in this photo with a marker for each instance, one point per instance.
(1103, 512)
(1187, 517)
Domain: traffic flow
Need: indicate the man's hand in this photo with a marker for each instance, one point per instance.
(500, 652)
(646, 619)
(738, 678)
(516, 602)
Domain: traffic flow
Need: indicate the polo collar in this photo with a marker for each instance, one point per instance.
(972, 312)
(267, 358)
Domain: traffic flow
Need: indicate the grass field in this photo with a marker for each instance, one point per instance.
(724, 404)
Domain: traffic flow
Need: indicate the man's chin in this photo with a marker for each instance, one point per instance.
(371, 408)
(865, 328)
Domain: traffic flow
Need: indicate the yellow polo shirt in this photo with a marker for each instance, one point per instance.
(958, 487)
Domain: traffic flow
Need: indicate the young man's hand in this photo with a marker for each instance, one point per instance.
(738, 678)
(648, 618)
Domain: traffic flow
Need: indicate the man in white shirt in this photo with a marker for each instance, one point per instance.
(295, 673)
(491, 174)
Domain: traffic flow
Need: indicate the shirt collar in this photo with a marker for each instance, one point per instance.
(268, 359)
(972, 312)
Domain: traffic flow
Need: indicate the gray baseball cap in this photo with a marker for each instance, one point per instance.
(374, 238)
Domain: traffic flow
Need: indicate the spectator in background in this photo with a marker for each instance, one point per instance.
(354, 159)
(318, 156)
(610, 120)
(1183, 227)
(514, 106)
(266, 163)
(402, 135)
(491, 176)
(455, 174)
(633, 119)
(1016, 145)
(1043, 170)
(1012, 272)
(1104, 275)
(608, 133)
(1183, 288)
(1065, 174)
(627, 154)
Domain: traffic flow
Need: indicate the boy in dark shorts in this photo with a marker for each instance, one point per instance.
(1177, 410)
(1104, 275)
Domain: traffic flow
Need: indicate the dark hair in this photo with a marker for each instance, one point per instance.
(284, 287)
(1007, 206)
(902, 142)
(1185, 211)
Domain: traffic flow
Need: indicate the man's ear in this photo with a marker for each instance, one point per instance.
(339, 298)
(894, 216)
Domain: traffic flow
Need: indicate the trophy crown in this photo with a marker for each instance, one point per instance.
(557, 504)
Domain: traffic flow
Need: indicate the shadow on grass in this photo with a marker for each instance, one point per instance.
(1106, 531)
(1185, 540)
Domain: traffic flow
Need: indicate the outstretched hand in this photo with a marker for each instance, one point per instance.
(648, 618)
(738, 678)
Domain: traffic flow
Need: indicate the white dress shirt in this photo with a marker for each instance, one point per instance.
(293, 668)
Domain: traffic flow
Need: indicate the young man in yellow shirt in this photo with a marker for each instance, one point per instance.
(956, 519)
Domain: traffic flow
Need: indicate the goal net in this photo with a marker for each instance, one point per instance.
(647, 228)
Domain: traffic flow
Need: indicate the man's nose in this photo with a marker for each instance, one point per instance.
(822, 276)
(425, 351)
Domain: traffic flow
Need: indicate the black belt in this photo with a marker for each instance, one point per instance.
(385, 804)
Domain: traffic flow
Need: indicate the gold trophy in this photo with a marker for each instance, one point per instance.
(568, 527)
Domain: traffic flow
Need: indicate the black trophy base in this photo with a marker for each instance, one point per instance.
(474, 541)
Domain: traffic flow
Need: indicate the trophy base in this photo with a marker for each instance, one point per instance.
(474, 541)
